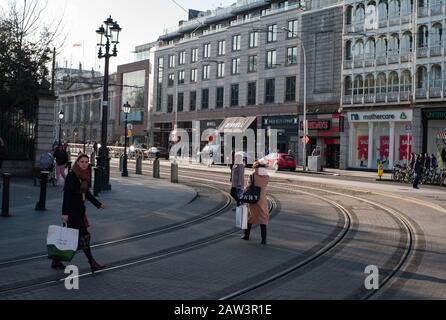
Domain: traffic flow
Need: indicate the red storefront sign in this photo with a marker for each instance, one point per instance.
(317, 125)
(363, 148)
(384, 147)
(405, 147)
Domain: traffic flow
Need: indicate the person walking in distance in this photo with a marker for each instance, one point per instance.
(258, 213)
(238, 179)
(61, 157)
(419, 165)
(76, 192)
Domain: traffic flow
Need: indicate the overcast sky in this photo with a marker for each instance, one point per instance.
(142, 21)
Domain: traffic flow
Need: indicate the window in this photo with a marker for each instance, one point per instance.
(236, 43)
(207, 50)
(220, 97)
(272, 33)
(271, 59)
(170, 103)
(193, 75)
(171, 80)
(290, 92)
(160, 69)
(182, 58)
(292, 27)
(206, 72)
(205, 99)
(270, 90)
(193, 101)
(194, 55)
(172, 61)
(234, 95)
(220, 70)
(291, 57)
(159, 98)
(253, 39)
(221, 48)
(180, 102)
(252, 93)
(252, 64)
(236, 66)
(181, 77)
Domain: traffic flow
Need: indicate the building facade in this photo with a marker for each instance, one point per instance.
(80, 99)
(239, 62)
(393, 94)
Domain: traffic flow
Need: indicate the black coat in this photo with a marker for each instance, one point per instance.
(73, 205)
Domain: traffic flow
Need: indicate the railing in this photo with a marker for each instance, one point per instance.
(392, 96)
(381, 60)
(369, 98)
(435, 92)
(383, 23)
(359, 26)
(421, 94)
(285, 8)
(422, 52)
(393, 21)
(358, 98)
(405, 57)
(348, 99)
(369, 62)
(406, 17)
(380, 97)
(436, 50)
(359, 63)
(348, 64)
(394, 57)
(423, 11)
(404, 96)
(436, 8)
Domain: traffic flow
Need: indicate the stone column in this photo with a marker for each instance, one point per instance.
(370, 160)
(45, 124)
(391, 144)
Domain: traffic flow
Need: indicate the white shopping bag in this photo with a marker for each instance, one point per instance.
(62, 243)
(241, 217)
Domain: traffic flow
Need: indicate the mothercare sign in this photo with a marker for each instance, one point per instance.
(381, 116)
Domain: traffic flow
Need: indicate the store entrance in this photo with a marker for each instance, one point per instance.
(333, 156)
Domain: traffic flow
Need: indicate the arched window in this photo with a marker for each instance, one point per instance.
(436, 35)
(382, 10)
(359, 50)
(358, 85)
(436, 77)
(406, 81)
(349, 15)
(406, 42)
(423, 36)
(394, 82)
(422, 77)
(360, 14)
(369, 84)
(381, 47)
(348, 85)
(348, 50)
(394, 45)
(381, 83)
(369, 50)
(394, 8)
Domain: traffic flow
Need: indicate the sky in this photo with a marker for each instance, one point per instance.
(142, 21)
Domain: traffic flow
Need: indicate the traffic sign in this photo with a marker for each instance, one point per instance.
(305, 140)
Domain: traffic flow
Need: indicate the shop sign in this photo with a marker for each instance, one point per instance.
(291, 121)
(321, 125)
(381, 116)
(435, 115)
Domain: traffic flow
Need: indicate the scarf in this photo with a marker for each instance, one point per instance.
(84, 177)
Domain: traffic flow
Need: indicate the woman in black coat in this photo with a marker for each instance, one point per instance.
(76, 192)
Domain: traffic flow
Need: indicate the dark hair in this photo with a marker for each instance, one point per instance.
(82, 156)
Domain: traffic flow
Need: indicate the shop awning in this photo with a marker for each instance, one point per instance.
(236, 124)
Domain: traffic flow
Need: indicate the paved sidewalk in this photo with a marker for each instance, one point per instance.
(133, 205)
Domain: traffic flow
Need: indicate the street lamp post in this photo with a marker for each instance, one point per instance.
(304, 142)
(61, 115)
(126, 109)
(111, 34)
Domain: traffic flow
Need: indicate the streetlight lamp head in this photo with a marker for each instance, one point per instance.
(61, 115)
(100, 34)
(115, 30)
(126, 108)
(109, 22)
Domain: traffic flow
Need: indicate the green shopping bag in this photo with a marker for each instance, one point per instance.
(61, 243)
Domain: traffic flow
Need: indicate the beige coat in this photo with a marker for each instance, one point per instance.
(259, 212)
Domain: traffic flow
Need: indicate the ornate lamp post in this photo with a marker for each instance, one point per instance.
(107, 36)
(61, 115)
(126, 109)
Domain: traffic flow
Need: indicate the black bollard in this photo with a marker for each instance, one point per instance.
(92, 158)
(97, 181)
(156, 168)
(40, 206)
(138, 165)
(5, 200)
(174, 172)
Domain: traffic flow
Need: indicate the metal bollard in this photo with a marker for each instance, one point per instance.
(121, 163)
(97, 181)
(174, 172)
(41, 205)
(92, 158)
(138, 165)
(5, 200)
(156, 169)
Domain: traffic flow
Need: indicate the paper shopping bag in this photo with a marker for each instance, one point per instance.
(62, 243)
(241, 217)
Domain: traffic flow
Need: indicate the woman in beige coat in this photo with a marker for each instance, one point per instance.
(258, 213)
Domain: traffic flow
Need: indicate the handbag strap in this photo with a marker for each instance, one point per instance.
(253, 181)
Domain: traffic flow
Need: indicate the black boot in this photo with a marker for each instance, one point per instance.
(247, 232)
(93, 263)
(263, 232)
(57, 265)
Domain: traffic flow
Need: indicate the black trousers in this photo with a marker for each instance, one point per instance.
(416, 181)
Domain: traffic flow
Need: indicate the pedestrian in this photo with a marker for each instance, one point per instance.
(419, 165)
(2, 151)
(258, 213)
(95, 148)
(434, 162)
(238, 179)
(76, 192)
(61, 157)
(413, 159)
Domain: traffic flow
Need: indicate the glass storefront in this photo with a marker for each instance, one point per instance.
(133, 93)
(436, 140)
(361, 146)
